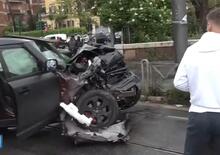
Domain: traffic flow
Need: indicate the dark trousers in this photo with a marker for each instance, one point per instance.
(203, 134)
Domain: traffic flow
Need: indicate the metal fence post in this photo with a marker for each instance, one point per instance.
(145, 70)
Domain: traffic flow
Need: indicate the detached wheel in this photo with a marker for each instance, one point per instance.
(99, 105)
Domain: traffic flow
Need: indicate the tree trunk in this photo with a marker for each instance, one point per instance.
(12, 15)
(201, 10)
(31, 18)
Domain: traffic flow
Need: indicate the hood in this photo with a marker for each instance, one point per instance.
(209, 42)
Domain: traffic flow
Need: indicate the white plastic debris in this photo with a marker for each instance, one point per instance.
(73, 111)
(179, 105)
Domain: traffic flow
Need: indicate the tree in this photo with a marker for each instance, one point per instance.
(59, 19)
(11, 14)
(201, 10)
(31, 21)
(202, 7)
(145, 19)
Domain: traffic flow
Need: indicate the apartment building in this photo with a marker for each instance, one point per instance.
(54, 7)
(37, 6)
(18, 12)
(3, 16)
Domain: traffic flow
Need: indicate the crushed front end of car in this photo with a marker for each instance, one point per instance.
(93, 115)
(94, 99)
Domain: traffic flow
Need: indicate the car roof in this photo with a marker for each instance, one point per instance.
(9, 41)
(58, 35)
(31, 38)
(61, 35)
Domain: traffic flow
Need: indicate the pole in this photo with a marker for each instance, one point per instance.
(129, 34)
(180, 28)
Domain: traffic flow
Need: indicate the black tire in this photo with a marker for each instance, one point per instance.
(101, 106)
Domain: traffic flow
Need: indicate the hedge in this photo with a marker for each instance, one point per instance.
(39, 33)
(175, 96)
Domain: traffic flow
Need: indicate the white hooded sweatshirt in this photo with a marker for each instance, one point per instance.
(199, 74)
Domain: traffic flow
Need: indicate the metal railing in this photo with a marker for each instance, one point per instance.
(157, 75)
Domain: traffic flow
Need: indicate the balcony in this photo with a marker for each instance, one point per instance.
(38, 1)
(17, 11)
(16, 1)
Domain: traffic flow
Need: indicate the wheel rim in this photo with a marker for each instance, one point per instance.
(99, 108)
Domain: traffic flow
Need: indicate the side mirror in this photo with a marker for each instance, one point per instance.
(51, 64)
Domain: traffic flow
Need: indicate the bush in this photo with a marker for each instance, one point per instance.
(175, 96)
(39, 33)
(155, 92)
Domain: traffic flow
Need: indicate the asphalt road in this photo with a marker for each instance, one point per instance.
(155, 131)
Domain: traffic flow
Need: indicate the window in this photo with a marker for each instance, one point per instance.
(1, 69)
(72, 23)
(50, 10)
(1, 72)
(59, 8)
(19, 62)
(52, 38)
(48, 52)
(68, 23)
(54, 9)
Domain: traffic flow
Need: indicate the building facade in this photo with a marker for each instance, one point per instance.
(54, 7)
(22, 11)
(3, 16)
(37, 6)
(71, 18)
(17, 13)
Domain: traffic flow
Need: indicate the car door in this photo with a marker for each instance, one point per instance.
(36, 92)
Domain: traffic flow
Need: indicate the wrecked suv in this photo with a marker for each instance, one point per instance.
(31, 90)
(30, 94)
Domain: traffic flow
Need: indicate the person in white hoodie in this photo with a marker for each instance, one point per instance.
(199, 74)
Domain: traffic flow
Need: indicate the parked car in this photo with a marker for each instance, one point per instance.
(60, 40)
(56, 36)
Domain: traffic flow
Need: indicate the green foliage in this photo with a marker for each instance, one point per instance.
(51, 17)
(200, 10)
(66, 7)
(40, 25)
(84, 18)
(155, 92)
(60, 17)
(148, 20)
(68, 31)
(9, 28)
(175, 96)
(213, 3)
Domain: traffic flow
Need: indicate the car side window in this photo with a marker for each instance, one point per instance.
(53, 38)
(1, 71)
(1, 68)
(19, 62)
